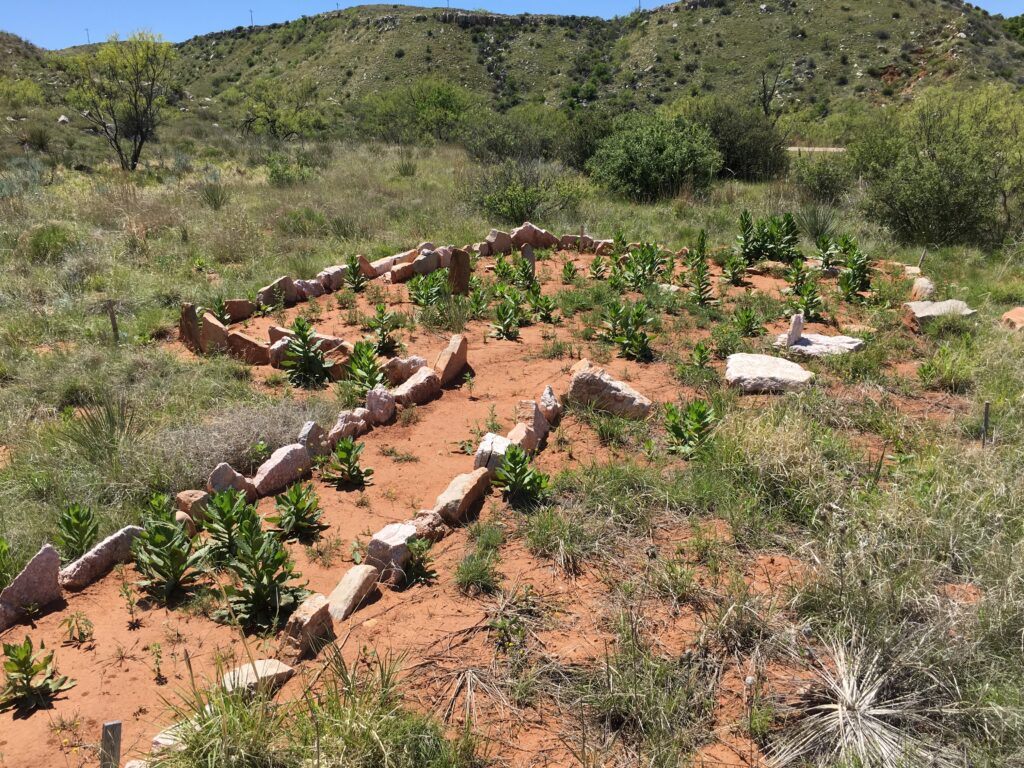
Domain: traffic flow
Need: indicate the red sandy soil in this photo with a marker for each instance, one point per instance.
(438, 631)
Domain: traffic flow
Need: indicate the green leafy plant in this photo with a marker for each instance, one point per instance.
(542, 307)
(304, 360)
(690, 428)
(77, 528)
(701, 354)
(598, 268)
(354, 277)
(225, 514)
(524, 486)
(828, 251)
(297, 512)
(506, 320)
(776, 238)
(735, 269)
(569, 273)
(419, 569)
(807, 301)
(7, 568)
(77, 628)
(429, 290)
(383, 324)
(364, 372)
(855, 278)
(220, 311)
(477, 574)
(633, 340)
(643, 267)
(343, 468)
(167, 559)
(699, 277)
(263, 592)
(747, 322)
(31, 680)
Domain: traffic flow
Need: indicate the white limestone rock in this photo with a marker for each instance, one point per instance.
(763, 374)
(593, 386)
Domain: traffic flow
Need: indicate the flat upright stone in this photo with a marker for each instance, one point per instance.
(491, 452)
(753, 374)
(37, 585)
(399, 369)
(366, 268)
(313, 438)
(188, 327)
(926, 310)
(308, 629)
(796, 329)
(281, 291)
(98, 561)
(452, 360)
(285, 466)
(265, 674)
(355, 586)
(820, 345)
(550, 405)
(309, 289)
(277, 351)
(239, 309)
(524, 436)
(482, 248)
(429, 525)
(461, 494)
(593, 386)
(192, 503)
(526, 254)
(922, 289)
(444, 256)
(248, 349)
(529, 412)
(388, 550)
(381, 405)
(350, 424)
(459, 272)
(422, 387)
(224, 477)
(499, 242)
(213, 336)
(1014, 319)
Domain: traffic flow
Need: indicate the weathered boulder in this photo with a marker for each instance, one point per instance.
(459, 273)
(604, 247)
(461, 494)
(401, 272)
(529, 412)
(927, 310)
(277, 351)
(224, 477)
(426, 245)
(491, 452)
(248, 349)
(308, 628)
(429, 525)
(398, 369)
(350, 424)
(381, 405)
(37, 585)
(765, 374)
(355, 586)
(366, 268)
(213, 336)
(281, 291)
(332, 278)
(239, 309)
(188, 327)
(382, 266)
(313, 438)
(426, 262)
(192, 503)
(498, 242)
(569, 242)
(532, 235)
(98, 561)
(452, 360)
(524, 436)
(444, 256)
(593, 386)
(922, 289)
(550, 405)
(185, 521)
(285, 465)
(1014, 319)
(388, 550)
(265, 674)
(422, 387)
(309, 289)
(482, 248)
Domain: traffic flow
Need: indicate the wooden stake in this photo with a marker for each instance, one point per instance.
(920, 261)
(984, 425)
(110, 745)
(113, 323)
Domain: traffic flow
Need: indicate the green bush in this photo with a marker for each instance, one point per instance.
(47, 243)
(167, 560)
(20, 93)
(523, 190)
(823, 179)
(752, 147)
(76, 531)
(649, 157)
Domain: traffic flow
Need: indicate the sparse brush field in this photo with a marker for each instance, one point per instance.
(829, 577)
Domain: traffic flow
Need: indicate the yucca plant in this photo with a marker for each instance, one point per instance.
(383, 323)
(522, 484)
(225, 514)
(304, 360)
(354, 277)
(263, 593)
(343, 469)
(569, 273)
(31, 679)
(167, 559)
(689, 429)
(506, 320)
(297, 512)
(76, 531)
(363, 369)
(747, 322)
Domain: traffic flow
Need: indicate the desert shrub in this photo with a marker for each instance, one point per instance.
(948, 170)
(282, 171)
(649, 157)
(515, 191)
(523, 133)
(826, 179)
(19, 93)
(422, 111)
(47, 243)
(21, 175)
(752, 147)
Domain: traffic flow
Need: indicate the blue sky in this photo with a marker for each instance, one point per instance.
(54, 24)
